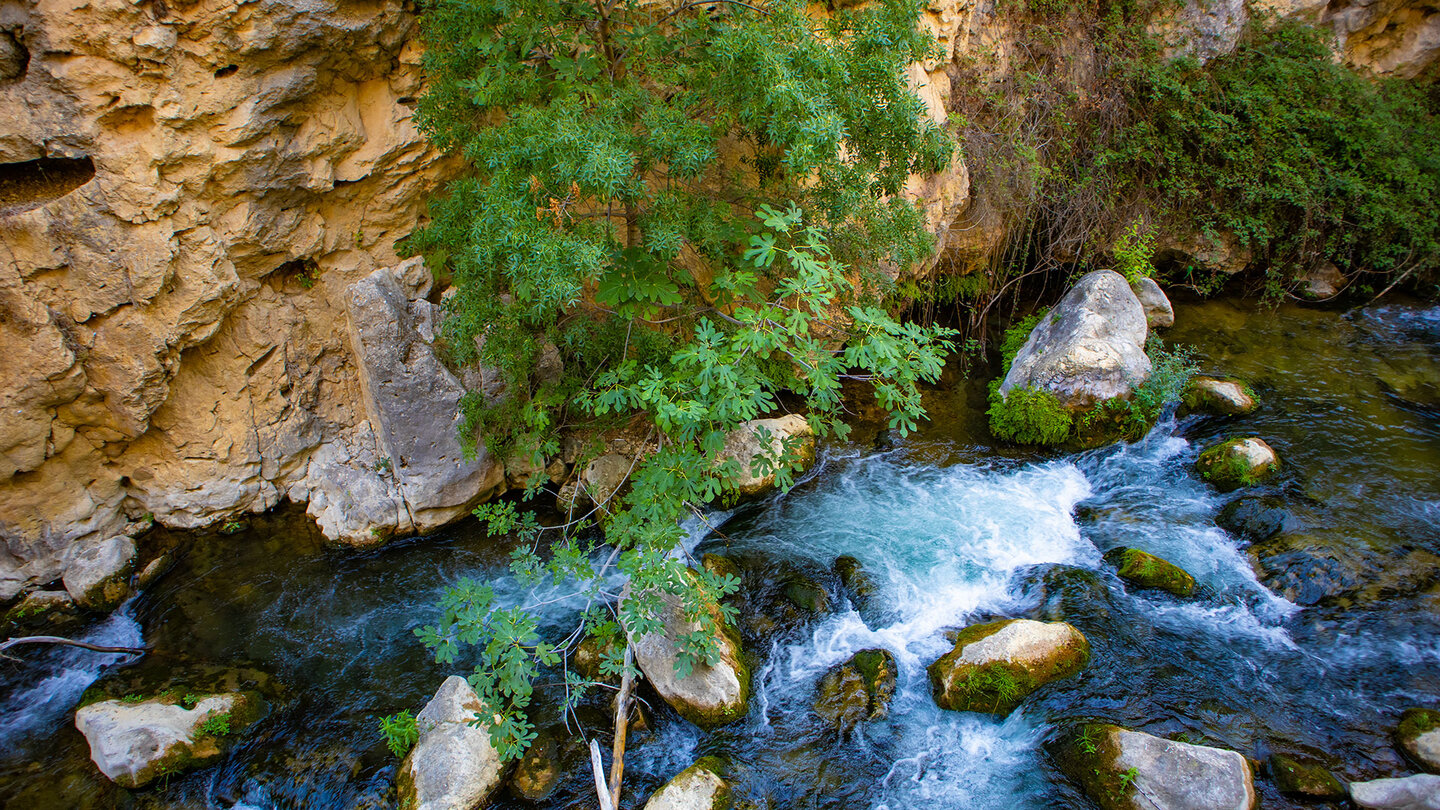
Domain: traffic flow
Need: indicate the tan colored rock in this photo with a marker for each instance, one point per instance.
(135, 743)
(745, 446)
(698, 787)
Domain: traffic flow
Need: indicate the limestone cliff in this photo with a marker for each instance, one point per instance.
(190, 193)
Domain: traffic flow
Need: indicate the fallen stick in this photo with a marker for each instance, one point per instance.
(69, 642)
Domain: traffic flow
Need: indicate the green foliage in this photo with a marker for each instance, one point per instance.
(217, 725)
(1014, 338)
(401, 732)
(1299, 156)
(1134, 250)
(132, 698)
(189, 701)
(1028, 416)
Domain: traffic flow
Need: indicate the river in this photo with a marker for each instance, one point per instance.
(953, 530)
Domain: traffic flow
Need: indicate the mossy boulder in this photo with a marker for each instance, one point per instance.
(807, 594)
(720, 565)
(37, 607)
(860, 588)
(699, 787)
(1418, 737)
(1220, 397)
(995, 666)
(134, 742)
(1148, 571)
(1237, 463)
(1121, 769)
(1304, 780)
(98, 575)
(708, 695)
(859, 689)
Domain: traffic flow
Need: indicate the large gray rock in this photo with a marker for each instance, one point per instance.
(1420, 792)
(996, 665)
(709, 695)
(1158, 312)
(98, 576)
(453, 766)
(1128, 770)
(134, 743)
(698, 787)
(1090, 347)
(352, 491)
(413, 402)
(744, 446)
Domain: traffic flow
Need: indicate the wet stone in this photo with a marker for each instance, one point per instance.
(1148, 571)
(1255, 518)
(1419, 792)
(859, 689)
(1304, 780)
(538, 773)
(1418, 737)
(807, 594)
(1306, 569)
(995, 666)
(720, 565)
(1237, 463)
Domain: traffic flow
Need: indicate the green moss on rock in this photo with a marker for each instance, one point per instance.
(998, 686)
(1305, 780)
(1148, 571)
(1418, 737)
(1086, 753)
(1237, 463)
(859, 689)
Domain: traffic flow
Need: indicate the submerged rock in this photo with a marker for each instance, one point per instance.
(1158, 312)
(133, 743)
(453, 766)
(698, 787)
(709, 695)
(859, 587)
(994, 666)
(1069, 593)
(1219, 397)
(1237, 463)
(537, 774)
(1420, 792)
(1304, 780)
(1253, 519)
(1306, 569)
(1148, 571)
(744, 446)
(1418, 736)
(1128, 770)
(807, 594)
(98, 576)
(720, 565)
(861, 688)
(1089, 348)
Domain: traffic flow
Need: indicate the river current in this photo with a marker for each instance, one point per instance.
(1317, 660)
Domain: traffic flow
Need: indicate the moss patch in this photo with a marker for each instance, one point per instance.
(1148, 571)
(1087, 754)
(1305, 780)
(1413, 724)
(1226, 467)
(1029, 416)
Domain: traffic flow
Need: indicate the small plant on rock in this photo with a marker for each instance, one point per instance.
(401, 732)
(217, 725)
(1029, 416)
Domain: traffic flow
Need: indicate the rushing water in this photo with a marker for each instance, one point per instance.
(952, 532)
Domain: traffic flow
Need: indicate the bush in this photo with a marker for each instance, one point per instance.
(1028, 416)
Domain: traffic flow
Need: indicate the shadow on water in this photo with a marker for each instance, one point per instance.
(952, 531)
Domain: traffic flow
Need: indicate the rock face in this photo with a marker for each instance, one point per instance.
(708, 696)
(1158, 311)
(1221, 397)
(1418, 736)
(133, 743)
(1127, 770)
(859, 689)
(1090, 347)
(698, 787)
(453, 766)
(744, 446)
(199, 184)
(995, 666)
(99, 573)
(1148, 571)
(1237, 463)
(1421, 792)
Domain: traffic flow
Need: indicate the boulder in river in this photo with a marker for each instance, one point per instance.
(1237, 463)
(538, 773)
(453, 766)
(698, 787)
(720, 565)
(38, 605)
(1089, 348)
(748, 443)
(1121, 769)
(994, 666)
(1304, 780)
(1418, 736)
(709, 695)
(1219, 397)
(1148, 571)
(1158, 312)
(1253, 518)
(98, 576)
(1419, 792)
(859, 587)
(135, 742)
(807, 594)
(861, 688)
(1308, 568)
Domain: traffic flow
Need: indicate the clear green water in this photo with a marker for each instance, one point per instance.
(953, 531)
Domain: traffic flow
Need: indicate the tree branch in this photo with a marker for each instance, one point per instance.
(84, 645)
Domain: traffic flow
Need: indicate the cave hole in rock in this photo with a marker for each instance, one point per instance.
(228, 70)
(14, 56)
(299, 272)
(32, 183)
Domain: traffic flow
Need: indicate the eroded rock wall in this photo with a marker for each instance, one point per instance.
(174, 324)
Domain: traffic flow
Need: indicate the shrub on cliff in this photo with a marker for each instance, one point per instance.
(623, 161)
